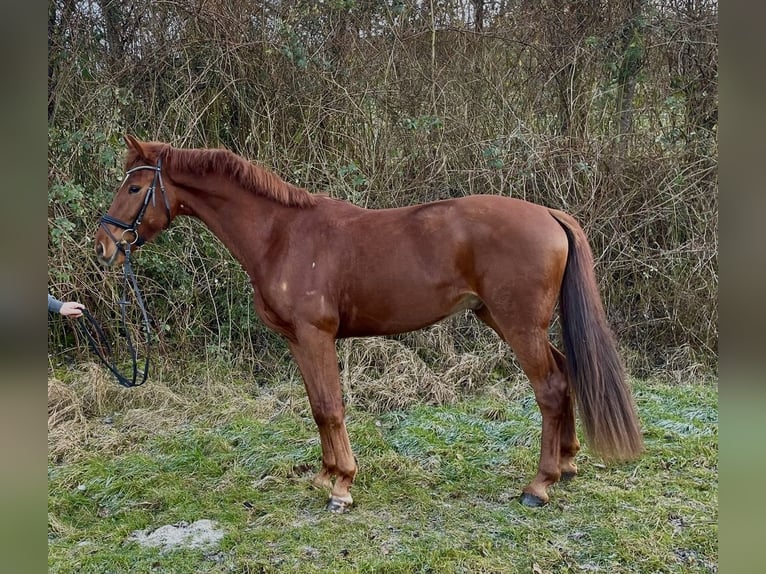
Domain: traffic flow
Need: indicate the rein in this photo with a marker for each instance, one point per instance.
(101, 341)
(129, 237)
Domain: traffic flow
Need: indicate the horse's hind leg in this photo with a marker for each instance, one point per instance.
(314, 351)
(570, 445)
(539, 360)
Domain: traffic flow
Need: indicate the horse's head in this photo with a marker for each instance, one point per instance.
(137, 214)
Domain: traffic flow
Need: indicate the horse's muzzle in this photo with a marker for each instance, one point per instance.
(105, 257)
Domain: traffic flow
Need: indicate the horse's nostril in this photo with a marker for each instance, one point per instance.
(99, 249)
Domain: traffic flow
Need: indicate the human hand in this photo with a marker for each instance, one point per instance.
(72, 309)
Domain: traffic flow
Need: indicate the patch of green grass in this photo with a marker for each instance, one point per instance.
(436, 492)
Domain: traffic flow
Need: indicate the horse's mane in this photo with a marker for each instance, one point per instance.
(250, 176)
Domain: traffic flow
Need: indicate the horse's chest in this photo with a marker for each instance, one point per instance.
(273, 310)
(282, 305)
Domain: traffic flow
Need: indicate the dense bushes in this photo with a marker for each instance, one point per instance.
(608, 112)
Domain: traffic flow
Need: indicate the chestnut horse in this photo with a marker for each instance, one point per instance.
(323, 269)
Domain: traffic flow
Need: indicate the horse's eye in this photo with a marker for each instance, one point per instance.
(134, 189)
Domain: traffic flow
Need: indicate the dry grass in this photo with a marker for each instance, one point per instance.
(87, 409)
(81, 409)
(381, 374)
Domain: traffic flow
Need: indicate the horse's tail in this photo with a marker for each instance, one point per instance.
(595, 370)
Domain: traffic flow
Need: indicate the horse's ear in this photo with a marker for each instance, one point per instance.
(136, 145)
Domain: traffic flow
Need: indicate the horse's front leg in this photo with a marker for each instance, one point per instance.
(314, 351)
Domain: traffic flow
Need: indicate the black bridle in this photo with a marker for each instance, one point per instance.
(100, 343)
(129, 228)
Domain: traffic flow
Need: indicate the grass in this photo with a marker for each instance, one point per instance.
(436, 491)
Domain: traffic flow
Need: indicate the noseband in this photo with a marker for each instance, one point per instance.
(132, 228)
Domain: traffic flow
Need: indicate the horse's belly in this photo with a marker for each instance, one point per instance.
(402, 314)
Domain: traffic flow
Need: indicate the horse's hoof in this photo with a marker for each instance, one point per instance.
(338, 505)
(531, 500)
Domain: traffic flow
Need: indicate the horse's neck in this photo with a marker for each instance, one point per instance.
(241, 219)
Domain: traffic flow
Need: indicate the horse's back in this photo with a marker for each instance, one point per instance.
(471, 233)
(488, 213)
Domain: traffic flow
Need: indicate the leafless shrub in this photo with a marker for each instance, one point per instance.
(606, 110)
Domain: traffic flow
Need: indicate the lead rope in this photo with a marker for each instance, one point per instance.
(103, 341)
